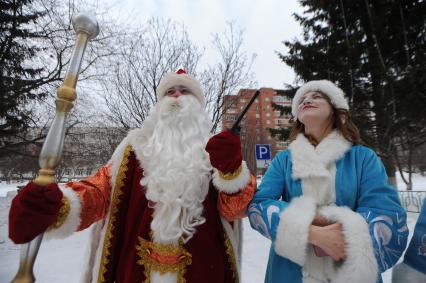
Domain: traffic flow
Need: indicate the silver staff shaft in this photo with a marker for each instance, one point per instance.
(86, 28)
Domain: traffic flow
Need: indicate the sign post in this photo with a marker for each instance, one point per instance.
(263, 155)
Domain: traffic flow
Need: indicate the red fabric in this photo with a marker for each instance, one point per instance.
(94, 194)
(180, 71)
(234, 206)
(133, 217)
(33, 210)
(225, 151)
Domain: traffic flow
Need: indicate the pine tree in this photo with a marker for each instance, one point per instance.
(283, 132)
(18, 78)
(374, 50)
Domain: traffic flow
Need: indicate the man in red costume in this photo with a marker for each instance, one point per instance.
(163, 208)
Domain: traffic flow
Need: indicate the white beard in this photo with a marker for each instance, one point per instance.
(177, 169)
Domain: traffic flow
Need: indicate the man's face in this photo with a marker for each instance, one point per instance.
(176, 91)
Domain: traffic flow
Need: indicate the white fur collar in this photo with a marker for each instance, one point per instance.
(310, 161)
(137, 137)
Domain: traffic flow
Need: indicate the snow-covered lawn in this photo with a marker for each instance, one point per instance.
(9, 187)
(62, 260)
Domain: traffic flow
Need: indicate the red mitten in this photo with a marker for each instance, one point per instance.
(33, 210)
(225, 151)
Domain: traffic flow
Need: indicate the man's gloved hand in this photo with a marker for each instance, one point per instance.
(33, 210)
(225, 151)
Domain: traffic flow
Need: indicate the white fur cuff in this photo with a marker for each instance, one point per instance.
(293, 230)
(73, 219)
(360, 260)
(235, 185)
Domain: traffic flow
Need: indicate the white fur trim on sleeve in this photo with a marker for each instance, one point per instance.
(360, 259)
(293, 230)
(234, 234)
(73, 219)
(235, 185)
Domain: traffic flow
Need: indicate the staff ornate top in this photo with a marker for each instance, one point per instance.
(87, 23)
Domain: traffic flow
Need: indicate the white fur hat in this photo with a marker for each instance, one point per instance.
(336, 95)
(180, 78)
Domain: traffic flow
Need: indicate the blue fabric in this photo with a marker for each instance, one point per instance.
(415, 256)
(361, 184)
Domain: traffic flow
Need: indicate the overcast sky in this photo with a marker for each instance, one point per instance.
(266, 23)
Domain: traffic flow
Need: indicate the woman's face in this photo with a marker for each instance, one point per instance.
(314, 109)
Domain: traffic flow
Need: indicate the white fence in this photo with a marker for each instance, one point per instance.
(412, 201)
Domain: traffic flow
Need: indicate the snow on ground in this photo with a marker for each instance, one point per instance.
(419, 182)
(63, 260)
(9, 187)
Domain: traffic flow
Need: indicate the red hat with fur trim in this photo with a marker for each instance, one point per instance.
(183, 79)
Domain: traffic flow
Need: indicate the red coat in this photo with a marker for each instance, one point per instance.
(127, 216)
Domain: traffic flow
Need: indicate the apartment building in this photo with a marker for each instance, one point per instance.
(260, 117)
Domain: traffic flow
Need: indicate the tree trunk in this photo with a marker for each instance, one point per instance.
(390, 171)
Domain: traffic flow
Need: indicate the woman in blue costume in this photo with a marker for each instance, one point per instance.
(326, 203)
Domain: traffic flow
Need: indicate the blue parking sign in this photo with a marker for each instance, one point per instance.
(263, 152)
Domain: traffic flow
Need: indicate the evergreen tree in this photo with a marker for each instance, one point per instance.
(374, 50)
(18, 77)
(283, 132)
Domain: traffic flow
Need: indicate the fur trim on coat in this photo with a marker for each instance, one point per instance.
(316, 169)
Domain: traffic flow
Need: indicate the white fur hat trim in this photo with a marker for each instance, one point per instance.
(173, 79)
(328, 88)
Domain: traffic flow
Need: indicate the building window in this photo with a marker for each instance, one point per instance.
(243, 100)
(268, 106)
(268, 114)
(257, 116)
(258, 138)
(268, 122)
(242, 107)
(230, 118)
(281, 99)
(277, 113)
(231, 111)
(266, 98)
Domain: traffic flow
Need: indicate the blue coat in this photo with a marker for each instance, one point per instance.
(357, 191)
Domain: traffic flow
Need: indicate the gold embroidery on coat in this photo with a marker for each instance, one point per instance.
(119, 182)
(231, 257)
(63, 213)
(163, 258)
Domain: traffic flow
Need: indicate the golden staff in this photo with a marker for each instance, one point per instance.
(87, 28)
